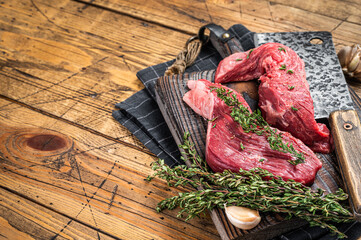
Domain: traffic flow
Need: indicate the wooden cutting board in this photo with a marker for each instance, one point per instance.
(181, 118)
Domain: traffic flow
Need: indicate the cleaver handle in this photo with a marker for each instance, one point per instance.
(223, 41)
(346, 132)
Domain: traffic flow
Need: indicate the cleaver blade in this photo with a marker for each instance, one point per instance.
(331, 100)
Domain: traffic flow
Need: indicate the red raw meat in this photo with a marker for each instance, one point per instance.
(225, 137)
(284, 96)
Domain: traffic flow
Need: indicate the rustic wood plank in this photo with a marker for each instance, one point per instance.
(60, 58)
(22, 219)
(347, 31)
(341, 10)
(88, 178)
(258, 16)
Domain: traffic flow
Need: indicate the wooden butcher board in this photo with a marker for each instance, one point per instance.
(181, 118)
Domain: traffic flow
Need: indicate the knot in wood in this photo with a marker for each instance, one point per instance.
(46, 142)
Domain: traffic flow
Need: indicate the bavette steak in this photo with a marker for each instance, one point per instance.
(228, 146)
(284, 96)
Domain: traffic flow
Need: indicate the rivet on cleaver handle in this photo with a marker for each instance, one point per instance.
(223, 40)
(346, 131)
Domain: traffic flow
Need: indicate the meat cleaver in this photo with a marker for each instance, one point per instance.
(331, 100)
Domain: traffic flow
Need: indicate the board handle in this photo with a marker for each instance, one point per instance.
(346, 132)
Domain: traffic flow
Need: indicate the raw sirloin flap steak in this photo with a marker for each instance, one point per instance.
(229, 146)
(284, 96)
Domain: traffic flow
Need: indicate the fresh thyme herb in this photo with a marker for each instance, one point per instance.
(291, 87)
(294, 109)
(247, 189)
(283, 67)
(254, 122)
(281, 49)
(290, 71)
(241, 145)
(214, 125)
(249, 53)
(239, 59)
(261, 160)
(212, 120)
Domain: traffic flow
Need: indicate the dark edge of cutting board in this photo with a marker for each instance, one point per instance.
(181, 118)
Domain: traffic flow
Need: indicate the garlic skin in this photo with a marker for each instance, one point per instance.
(350, 60)
(243, 218)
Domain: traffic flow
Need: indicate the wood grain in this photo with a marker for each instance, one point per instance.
(346, 131)
(75, 66)
(63, 66)
(87, 178)
(259, 16)
(23, 220)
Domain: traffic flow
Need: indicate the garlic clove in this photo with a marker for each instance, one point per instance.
(355, 61)
(355, 48)
(350, 60)
(243, 218)
(343, 55)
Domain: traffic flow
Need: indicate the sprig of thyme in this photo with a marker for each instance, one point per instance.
(254, 122)
(257, 189)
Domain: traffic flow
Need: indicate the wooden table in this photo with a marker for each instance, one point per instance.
(67, 168)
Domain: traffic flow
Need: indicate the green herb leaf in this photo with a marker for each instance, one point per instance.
(281, 49)
(212, 120)
(294, 109)
(254, 122)
(239, 59)
(242, 147)
(291, 87)
(283, 67)
(249, 53)
(290, 71)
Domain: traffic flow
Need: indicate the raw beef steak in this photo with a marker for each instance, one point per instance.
(284, 95)
(228, 146)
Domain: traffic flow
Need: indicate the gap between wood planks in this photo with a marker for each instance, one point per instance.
(58, 212)
(89, 198)
(135, 17)
(117, 11)
(106, 7)
(145, 150)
